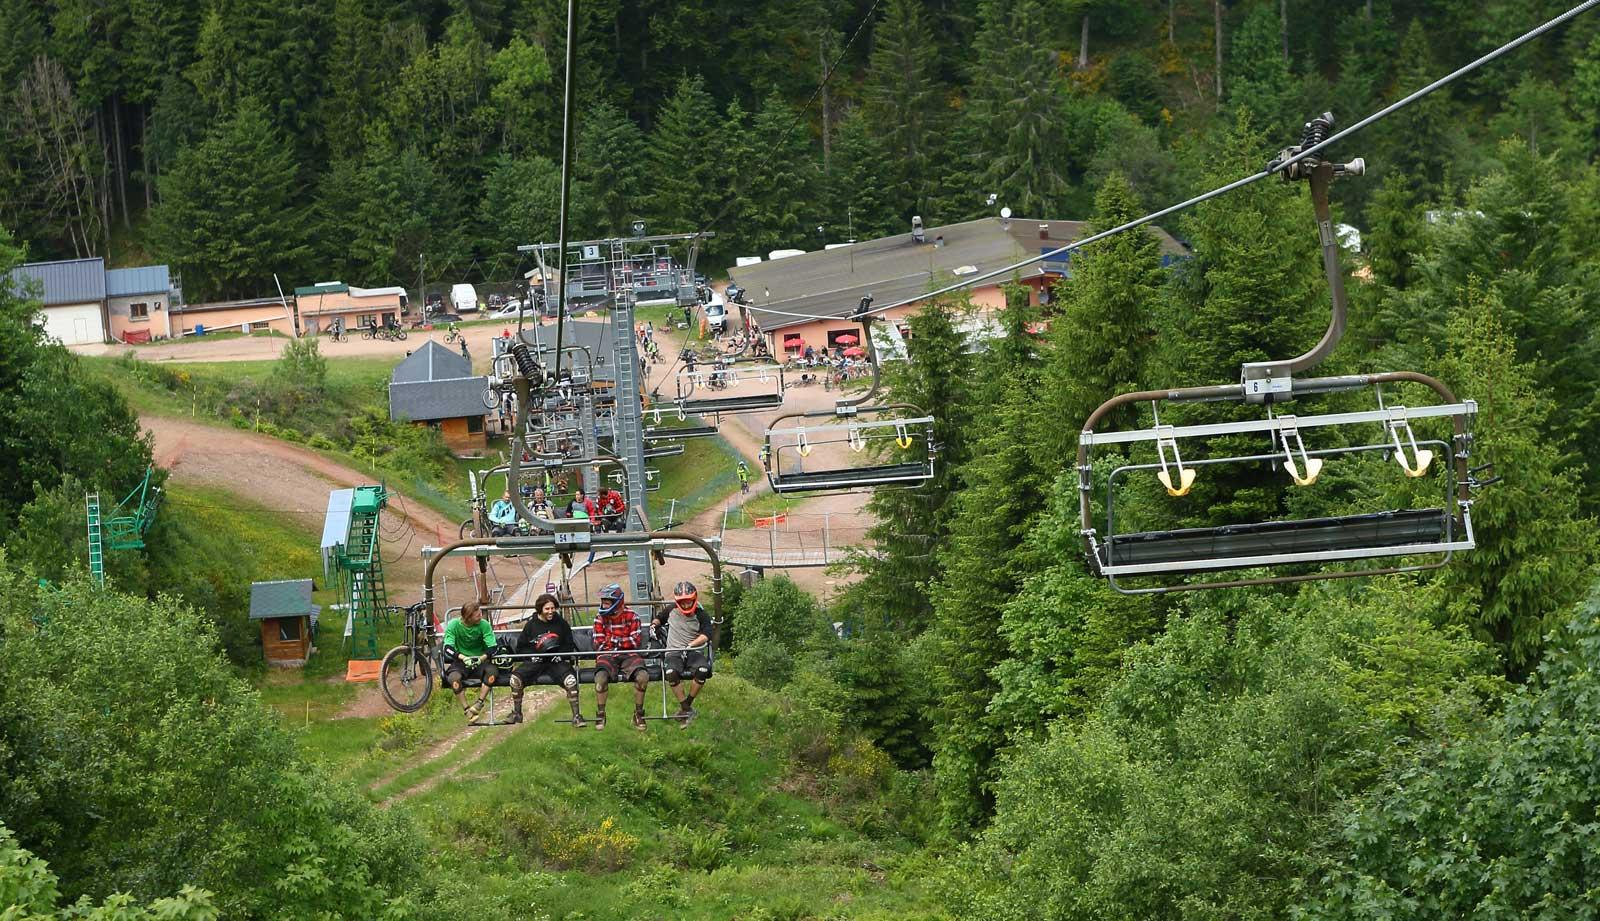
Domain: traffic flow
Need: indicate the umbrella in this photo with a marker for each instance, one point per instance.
(846, 339)
(854, 352)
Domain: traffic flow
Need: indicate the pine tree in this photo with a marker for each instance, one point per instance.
(685, 167)
(1416, 140)
(1259, 77)
(228, 218)
(991, 518)
(1535, 549)
(911, 526)
(902, 95)
(1013, 119)
(609, 170)
(1104, 322)
(521, 78)
(1395, 235)
(779, 193)
(862, 202)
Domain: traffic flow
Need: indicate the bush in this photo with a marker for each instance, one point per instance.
(699, 847)
(400, 732)
(321, 442)
(133, 759)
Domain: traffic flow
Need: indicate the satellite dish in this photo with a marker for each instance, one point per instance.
(1005, 212)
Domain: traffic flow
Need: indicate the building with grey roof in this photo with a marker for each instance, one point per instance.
(806, 300)
(435, 386)
(73, 294)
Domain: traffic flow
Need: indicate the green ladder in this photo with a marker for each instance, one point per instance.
(369, 598)
(97, 561)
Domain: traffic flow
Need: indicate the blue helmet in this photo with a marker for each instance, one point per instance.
(610, 598)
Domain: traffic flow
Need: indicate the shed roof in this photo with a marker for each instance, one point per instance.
(148, 279)
(69, 281)
(830, 283)
(432, 362)
(284, 598)
(429, 401)
(332, 287)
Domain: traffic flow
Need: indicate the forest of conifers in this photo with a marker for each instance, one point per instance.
(1416, 746)
(373, 141)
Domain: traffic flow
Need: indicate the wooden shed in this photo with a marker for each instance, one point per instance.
(288, 620)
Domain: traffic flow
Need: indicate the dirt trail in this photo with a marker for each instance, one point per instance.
(485, 739)
(292, 479)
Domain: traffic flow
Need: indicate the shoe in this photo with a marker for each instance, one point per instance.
(686, 717)
(516, 713)
(578, 722)
(638, 719)
(600, 720)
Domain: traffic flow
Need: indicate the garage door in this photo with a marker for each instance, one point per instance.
(74, 324)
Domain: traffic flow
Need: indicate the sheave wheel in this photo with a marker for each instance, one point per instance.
(406, 678)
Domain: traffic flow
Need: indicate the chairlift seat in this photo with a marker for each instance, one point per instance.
(1237, 546)
(663, 450)
(851, 477)
(687, 431)
(745, 404)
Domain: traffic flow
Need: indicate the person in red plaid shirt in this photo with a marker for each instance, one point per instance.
(618, 637)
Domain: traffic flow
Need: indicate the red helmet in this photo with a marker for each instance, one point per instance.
(686, 596)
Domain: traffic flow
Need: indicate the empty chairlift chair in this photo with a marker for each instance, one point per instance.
(895, 441)
(1417, 535)
(731, 388)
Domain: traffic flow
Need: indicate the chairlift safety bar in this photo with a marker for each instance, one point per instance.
(1275, 424)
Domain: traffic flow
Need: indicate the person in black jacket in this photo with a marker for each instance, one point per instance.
(546, 632)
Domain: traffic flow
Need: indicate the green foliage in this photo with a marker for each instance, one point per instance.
(773, 620)
(301, 365)
(1535, 549)
(903, 106)
(684, 165)
(1217, 759)
(227, 217)
(165, 771)
(30, 892)
(1498, 823)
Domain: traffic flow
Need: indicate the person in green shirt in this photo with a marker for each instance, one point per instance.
(469, 650)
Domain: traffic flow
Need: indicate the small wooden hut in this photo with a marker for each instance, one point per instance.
(288, 619)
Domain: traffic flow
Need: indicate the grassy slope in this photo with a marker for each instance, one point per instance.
(708, 823)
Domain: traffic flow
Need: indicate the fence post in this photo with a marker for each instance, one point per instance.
(827, 520)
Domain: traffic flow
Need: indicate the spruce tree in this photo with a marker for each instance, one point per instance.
(1019, 142)
(862, 203)
(911, 526)
(903, 102)
(1416, 141)
(228, 218)
(1535, 548)
(686, 164)
(991, 516)
(1104, 324)
(609, 170)
(1259, 78)
(779, 194)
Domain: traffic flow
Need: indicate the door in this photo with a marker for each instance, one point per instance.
(81, 330)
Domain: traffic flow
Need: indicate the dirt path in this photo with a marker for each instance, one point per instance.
(484, 739)
(296, 480)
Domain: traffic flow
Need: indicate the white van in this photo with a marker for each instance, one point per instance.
(464, 298)
(717, 314)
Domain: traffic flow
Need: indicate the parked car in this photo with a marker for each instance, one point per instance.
(717, 314)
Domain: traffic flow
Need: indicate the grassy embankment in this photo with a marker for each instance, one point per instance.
(757, 811)
(699, 478)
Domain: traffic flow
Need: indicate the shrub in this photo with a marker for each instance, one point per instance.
(400, 732)
(321, 442)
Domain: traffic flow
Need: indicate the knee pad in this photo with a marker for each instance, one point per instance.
(601, 679)
(702, 673)
(673, 677)
(641, 679)
(570, 682)
(516, 683)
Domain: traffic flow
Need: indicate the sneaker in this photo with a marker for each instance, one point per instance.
(600, 720)
(686, 717)
(638, 720)
(578, 722)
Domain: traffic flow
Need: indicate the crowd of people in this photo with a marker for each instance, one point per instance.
(606, 508)
(546, 648)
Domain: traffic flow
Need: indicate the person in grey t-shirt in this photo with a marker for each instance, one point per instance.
(688, 628)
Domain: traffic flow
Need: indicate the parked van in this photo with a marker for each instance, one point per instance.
(464, 298)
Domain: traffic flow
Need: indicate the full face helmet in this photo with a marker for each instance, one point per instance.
(686, 597)
(610, 599)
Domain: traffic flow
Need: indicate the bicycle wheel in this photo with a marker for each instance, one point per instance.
(406, 678)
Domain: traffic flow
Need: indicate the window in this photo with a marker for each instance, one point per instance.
(474, 425)
(139, 311)
(288, 629)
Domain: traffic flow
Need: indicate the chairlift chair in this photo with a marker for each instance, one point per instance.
(1402, 539)
(763, 383)
(900, 437)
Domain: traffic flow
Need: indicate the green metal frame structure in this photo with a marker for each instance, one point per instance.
(125, 529)
(356, 565)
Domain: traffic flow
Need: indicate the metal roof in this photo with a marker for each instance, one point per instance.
(332, 287)
(830, 283)
(284, 598)
(432, 362)
(149, 279)
(70, 281)
(429, 401)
